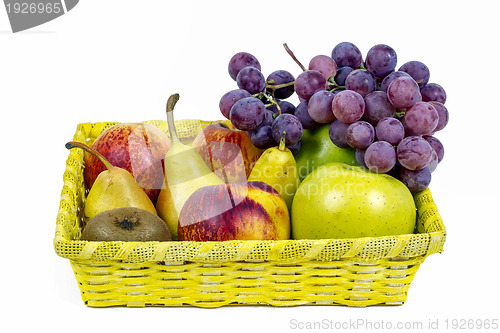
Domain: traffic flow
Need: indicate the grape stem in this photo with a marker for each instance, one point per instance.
(270, 99)
(278, 86)
(293, 56)
(273, 101)
(337, 88)
(400, 114)
(333, 85)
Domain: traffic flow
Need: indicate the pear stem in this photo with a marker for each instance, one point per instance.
(281, 147)
(75, 144)
(172, 100)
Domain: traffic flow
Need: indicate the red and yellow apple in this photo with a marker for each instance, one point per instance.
(237, 211)
(139, 148)
(228, 152)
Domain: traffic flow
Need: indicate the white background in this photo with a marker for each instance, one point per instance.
(120, 60)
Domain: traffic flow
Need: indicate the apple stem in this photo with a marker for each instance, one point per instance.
(75, 144)
(281, 147)
(293, 56)
(172, 100)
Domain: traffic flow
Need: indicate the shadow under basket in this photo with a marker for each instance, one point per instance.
(354, 272)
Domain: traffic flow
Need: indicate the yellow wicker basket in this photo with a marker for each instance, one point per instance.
(354, 272)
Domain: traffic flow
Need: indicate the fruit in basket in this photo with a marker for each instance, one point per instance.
(113, 188)
(227, 151)
(127, 224)
(342, 201)
(237, 211)
(185, 172)
(317, 149)
(138, 148)
(277, 167)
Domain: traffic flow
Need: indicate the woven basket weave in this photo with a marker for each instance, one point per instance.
(354, 272)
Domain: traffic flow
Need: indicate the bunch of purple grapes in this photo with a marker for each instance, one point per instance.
(389, 116)
(258, 106)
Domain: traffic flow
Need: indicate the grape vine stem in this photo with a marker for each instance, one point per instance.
(293, 56)
(270, 99)
(278, 86)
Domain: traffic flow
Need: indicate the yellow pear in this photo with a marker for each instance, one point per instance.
(277, 167)
(113, 188)
(185, 172)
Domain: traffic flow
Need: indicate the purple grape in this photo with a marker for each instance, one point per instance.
(391, 130)
(285, 107)
(268, 118)
(281, 77)
(295, 148)
(337, 132)
(342, 74)
(377, 106)
(289, 123)
(381, 60)
(360, 134)
(403, 92)
(308, 82)
(421, 118)
(262, 137)
(396, 171)
(247, 114)
(408, 132)
(325, 65)
(303, 115)
(319, 106)
(360, 157)
(414, 152)
(416, 180)
(228, 99)
(380, 157)
(442, 113)
(347, 54)
(433, 92)
(434, 161)
(251, 79)
(348, 106)
(418, 71)
(436, 145)
(361, 81)
(389, 78)
(241, 60)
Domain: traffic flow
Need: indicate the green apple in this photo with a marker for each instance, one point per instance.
(316, 149)
(341, 201)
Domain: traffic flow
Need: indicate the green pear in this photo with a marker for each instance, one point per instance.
(185, 172)
(113, 188)
(341, 201)
(276, 167)
(317, 149)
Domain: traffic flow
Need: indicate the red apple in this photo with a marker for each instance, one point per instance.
(237, 211)
(229, 152)
(138, 148)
